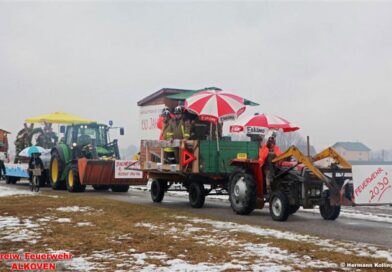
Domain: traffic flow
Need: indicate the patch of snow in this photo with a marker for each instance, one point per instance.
(74, 209)
(84, 224)
(355, 248)
(80, 264)
(46, 219)
(18, 230)
(140, 257)
(358, 214)
(63, 220)
(10, 191)
(146, 225)
(52, 196)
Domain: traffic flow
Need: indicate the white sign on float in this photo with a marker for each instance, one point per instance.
(121, 169)
(372, 184)
(148, 121)
(256, 131)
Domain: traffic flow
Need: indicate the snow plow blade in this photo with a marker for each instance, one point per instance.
(102, 172)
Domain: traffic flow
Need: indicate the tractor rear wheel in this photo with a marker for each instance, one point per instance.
(55, 171)
(279, 206)
(158, 188)
(327, 211)
(197, 195)
(120, 188)
(73, 182)
(242, 192)
(101, 187)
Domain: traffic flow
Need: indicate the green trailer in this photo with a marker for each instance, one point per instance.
(202, 166)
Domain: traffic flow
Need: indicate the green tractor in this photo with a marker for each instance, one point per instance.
(85, 157)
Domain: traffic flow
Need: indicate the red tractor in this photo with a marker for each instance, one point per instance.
(295, 184)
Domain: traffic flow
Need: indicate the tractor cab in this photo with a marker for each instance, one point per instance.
(90, 141)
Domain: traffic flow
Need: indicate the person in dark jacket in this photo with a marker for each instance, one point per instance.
(2, 166)
(35, 162)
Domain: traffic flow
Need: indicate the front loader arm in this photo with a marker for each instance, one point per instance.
(331, 153)
(301, 158)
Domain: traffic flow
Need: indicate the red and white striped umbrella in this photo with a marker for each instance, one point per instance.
(215, 106)
(255, 124)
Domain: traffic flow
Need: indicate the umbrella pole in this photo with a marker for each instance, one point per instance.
(217, 137)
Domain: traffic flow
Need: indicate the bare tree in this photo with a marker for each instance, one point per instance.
(285, 140)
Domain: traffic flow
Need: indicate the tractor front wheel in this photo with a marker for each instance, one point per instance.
(327, 211)
(279, 206)
(120, 188)
(55, 172)
(73, 182)
(197, 195)
(158, 188)
(242, 192)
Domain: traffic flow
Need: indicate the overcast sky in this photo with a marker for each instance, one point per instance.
(325, 66)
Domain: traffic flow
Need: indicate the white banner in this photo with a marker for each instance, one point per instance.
(122, 171)
(372, 184)
(256, 130)
(148, 122)
(17, 170)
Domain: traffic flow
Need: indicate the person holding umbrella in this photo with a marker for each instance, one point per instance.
(35, 162)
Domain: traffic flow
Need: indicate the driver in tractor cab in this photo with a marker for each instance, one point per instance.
(85, 146)
(267, 153)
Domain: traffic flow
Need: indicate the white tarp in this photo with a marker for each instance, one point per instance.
(372, 184)
(148, 121)
(122, 169)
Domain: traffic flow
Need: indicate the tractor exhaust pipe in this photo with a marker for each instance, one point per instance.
(308, 146)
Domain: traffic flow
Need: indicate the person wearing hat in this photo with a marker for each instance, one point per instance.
(177, 125)
(163, 121)
(34, 163)
(267, 153)
(163, 124)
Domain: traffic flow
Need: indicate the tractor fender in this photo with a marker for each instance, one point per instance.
(253, 167)
(63, 151)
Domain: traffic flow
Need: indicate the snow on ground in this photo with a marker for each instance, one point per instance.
(18, 230)
(369, 213)
(10, 191)
(360, 214)
(63, 220)
(85, 224)
(355, 248)
(263, 255)
(74, 209)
